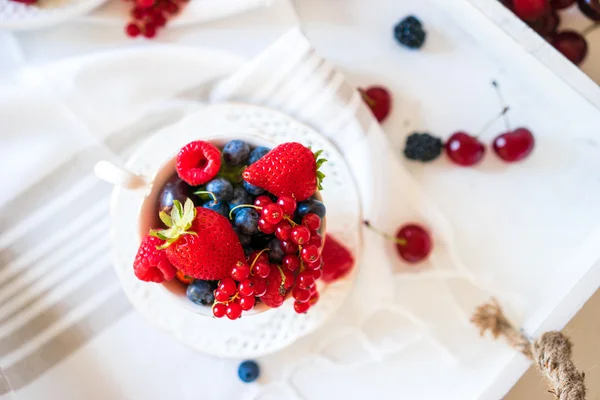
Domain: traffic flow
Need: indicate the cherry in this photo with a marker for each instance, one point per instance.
(515, 145)
(530, 10)
(283, 230)
(546, 25)
(246, 287)
(571, 44)
(262, 201)
(379, 101)
(233, 311)
(266, 227)
(413, 242)
(272, 213)
(464, 149)
(260, 285)
(591, 8)
(301, 308)
(227, 286)
(508, 4)
(287, 204)
(291, 262)
(301, 295)
(132, 30)
(300, 234)
(561, 4)
(310, 254)
(312, 221)
(219, 310)
(247, 302)
(262, 269)
(240, 271)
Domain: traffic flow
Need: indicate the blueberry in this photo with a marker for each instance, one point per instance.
(247, 221)
(257, 154)
(311, 206)
(248, 371)
(253, 190)
(409, 32)
(219, 207)
(240, 196)
(276, 254)
(248, 250)
(236, 152)
(244, 239)
(174, 189)
(260, 240)
(221, 188)
(201, 292)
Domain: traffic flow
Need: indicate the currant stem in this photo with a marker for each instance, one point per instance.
(243, 206)
(288, 219)
(502, 103)
(199, 192)
(387, 236)
(590, 28)
(256, 259)
(490, 122)
(368, 99)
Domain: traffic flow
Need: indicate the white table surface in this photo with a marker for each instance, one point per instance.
(326, 23)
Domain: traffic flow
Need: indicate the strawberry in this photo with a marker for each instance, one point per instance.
(279, 282)
(290, 169)
(151, 264)
(199, 242)
(337, 260)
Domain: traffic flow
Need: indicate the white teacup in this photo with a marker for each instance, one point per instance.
(148, 212)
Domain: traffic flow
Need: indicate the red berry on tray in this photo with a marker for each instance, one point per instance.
(464, 149)
(546, 25)
(413, 242)
(515, 145)
(561, 4)
(198, 162)
(571, 44)
(530, 10)
(379, 100)
(591, 8)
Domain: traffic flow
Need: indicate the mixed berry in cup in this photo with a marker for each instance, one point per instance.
(239, 227)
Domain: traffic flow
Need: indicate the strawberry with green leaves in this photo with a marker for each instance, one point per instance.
(199, 242)
(290, 169)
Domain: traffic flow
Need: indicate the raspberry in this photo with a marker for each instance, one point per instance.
(152, 265)
(423, 147)
(198, 162)
(409, 32)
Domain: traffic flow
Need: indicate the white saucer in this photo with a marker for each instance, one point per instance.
(253, 335)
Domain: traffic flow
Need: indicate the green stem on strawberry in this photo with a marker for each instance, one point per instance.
(387, 236)
(211, 194)
(243, 206)
(178, 223)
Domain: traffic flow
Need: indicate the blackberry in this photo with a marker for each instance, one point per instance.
(423, 147)
(409, 32)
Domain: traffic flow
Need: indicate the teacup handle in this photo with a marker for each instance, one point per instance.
(118, 176)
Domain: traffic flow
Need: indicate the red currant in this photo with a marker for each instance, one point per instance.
(240, 271)
(172, 8)
(289, 247)
(316, 240)
(301, 308)
(219, 310)
(260, 286)
(221, 296)
(138, 13)
(287, 204)
(530, 10)
(312, 221)
(262, 269)
(247, 302)
(464, 149)
(246, 287)
(301, 295)
(145, 3)
(300, 234)
(310, 253)
(314, 298)
(283, 230)
(306, 279)
(317, 274)
(255, 258)
(262, 201)
(266, 227)
(316, 264)
(149, 31)
(159, 20)
(561, 4)
(514, 146)
(132, 30)
(233, 311)
(272, 213)
(227, 286)
(291, 262)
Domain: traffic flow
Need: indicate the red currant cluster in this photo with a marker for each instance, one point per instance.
(299, 271)
(150, 15)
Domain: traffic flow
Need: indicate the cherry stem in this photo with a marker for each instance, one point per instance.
(502, 103)
(590, 28)
(368, 99)
(401, 242)
(243, 206)
(209, 193)
(491, 122)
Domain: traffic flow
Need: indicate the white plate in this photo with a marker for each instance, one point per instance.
(18, 16)
(262, 333)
